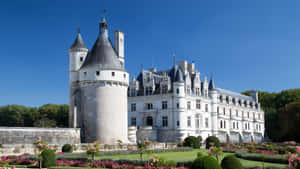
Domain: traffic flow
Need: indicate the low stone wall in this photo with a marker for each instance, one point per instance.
(18, 149)
(28, 135)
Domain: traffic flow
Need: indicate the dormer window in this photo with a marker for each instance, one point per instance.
(81, 59)
(97, 73)
(124, 76)
(84, 73)
(148, 91)
(113, 73)
(177, 91)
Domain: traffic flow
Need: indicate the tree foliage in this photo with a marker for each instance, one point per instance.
(280, 112)
(49, 115)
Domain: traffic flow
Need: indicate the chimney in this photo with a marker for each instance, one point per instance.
(254, 95)
(184, 66)
(119, 46)
(191, 67)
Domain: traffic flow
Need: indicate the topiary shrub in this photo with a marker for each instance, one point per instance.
(67, 148)
(48, 158)
(205, 162)
(212, 141)
(231, 162)
(200, 154)
(191, 141)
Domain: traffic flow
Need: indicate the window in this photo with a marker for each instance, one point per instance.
(197, 91)
(230, 112)
(218, 111)
(248, 126)
(165, 121)
(189, 105)
(113, 73)
(221, 124)
(198, 104)
(248, 114)
(188, 90)
(233, 125)
(206, 122)
(133, 121)
(237, 125)
(224, 124)
(97, 73)
(206, 107)
(237, 113)
(189, 121)
(148, 91)
(84, 73)
(177, 91)
(164, 105)
(259, 116)
(124, 76)
(133, 107)
(224, 111)
(81, 59)
(149, 106)
(164, 89)
(132, 92)
(178, 123)
(197, 121)
(149, 121)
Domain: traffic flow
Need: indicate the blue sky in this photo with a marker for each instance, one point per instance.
(246, 44)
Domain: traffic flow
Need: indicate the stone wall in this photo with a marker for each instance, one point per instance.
(28, 135)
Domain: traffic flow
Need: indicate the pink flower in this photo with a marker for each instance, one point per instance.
(298, 149)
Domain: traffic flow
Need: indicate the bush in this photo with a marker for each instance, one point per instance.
(205, 162)
(200, 154)
(282, 150)
(291, 149)
(231, 162)
(212, 141)
(48, 158)
(192, 141)
(67, 148)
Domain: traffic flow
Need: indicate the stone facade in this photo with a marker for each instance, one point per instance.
(27, 135)
(175, 104)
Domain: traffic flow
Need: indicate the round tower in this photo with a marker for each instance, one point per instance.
(214, 97)
(103, 85)
(77, 54)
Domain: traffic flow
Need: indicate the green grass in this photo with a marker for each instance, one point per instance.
(73, 168)
(186, 156)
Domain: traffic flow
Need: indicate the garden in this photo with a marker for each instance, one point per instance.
(188, 155)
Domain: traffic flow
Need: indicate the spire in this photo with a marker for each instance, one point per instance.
(78, 43)
(211, 83)
(103, 25)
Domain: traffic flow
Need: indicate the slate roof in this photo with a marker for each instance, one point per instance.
(102, 55)
(234, 94)
(78, 43)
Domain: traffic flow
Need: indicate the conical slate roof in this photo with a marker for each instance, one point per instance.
(102, 55)
(179, 76)
(78, 43)
(211, 84)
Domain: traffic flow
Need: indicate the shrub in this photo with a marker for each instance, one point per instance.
(48, 158)
(282, 150)
(205, 162)
(192, 141)
(291, 149)
(231, 162)
(212, 141)
(1, 145)
(200, 154)
(67, 148)
(265, 158)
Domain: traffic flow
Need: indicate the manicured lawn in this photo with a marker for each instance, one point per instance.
(73, 168)
(185, 156)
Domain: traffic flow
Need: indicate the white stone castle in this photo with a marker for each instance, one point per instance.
(164, 106)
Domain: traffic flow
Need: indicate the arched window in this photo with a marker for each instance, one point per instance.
(149, 121)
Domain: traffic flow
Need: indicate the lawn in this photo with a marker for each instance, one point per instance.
(186, 156)
(62, 167)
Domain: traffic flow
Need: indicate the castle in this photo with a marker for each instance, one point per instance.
(160, 105)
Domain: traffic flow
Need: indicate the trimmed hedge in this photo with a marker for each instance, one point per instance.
(258, 157)
(192, 141)
(212, 141)
(67, 148)
(205, 162)
(48, 158)
(231, 162)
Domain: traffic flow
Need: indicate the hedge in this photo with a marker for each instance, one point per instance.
(258, 157)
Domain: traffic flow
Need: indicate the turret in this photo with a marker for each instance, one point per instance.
(77, 54)
(214, 97)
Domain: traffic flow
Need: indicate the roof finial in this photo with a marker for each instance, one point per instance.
(174, 58)
(103, 17)
(78, 30)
